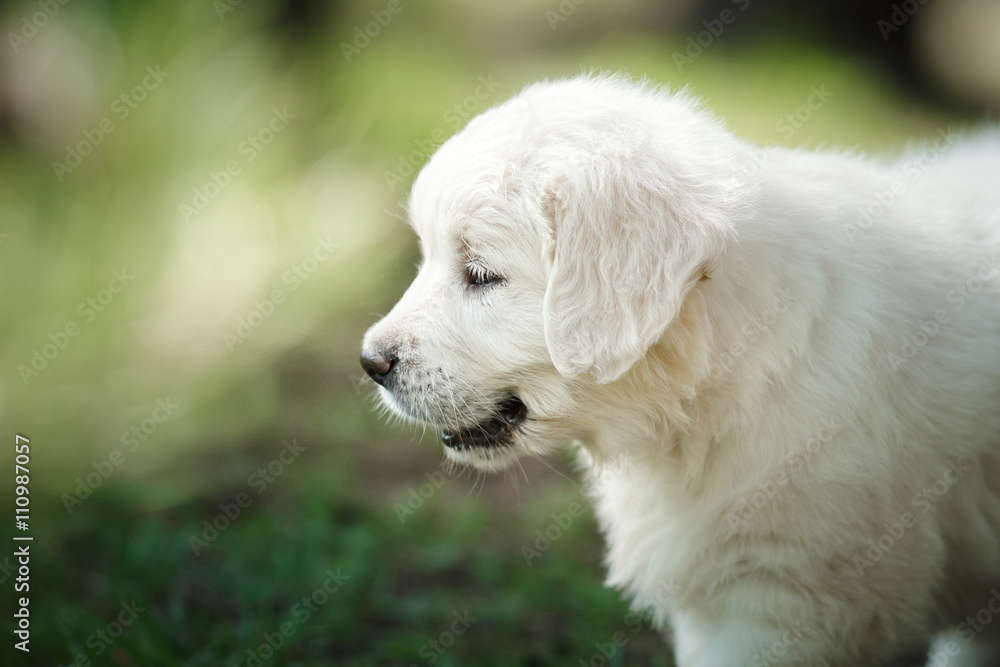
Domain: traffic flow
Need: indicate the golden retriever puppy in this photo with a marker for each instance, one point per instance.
(781, 368)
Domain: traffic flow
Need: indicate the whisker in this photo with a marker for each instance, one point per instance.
(548, 465)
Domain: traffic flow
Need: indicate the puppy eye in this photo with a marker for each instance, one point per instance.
(476, 275)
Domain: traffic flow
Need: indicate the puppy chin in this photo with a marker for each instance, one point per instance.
(486, 460)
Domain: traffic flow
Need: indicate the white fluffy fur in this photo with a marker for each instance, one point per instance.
(764, 386)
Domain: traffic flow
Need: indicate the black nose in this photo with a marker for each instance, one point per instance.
(377, 365)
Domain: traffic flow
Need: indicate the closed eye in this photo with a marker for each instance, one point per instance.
(478, 276)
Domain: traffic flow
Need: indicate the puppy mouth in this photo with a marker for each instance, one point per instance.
(498, 431)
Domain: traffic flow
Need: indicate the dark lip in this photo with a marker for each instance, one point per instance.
(498, 431)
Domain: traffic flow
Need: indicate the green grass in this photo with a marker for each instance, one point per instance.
(403, 580)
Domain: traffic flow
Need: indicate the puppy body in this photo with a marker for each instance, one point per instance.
(785, 382)
(831, 488)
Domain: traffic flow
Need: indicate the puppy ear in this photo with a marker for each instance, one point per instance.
(630, 240)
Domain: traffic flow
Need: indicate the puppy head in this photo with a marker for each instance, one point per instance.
(561, 233)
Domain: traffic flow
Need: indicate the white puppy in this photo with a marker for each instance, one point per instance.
(782, 368)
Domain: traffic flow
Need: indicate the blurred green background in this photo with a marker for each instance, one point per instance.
(201, 211)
